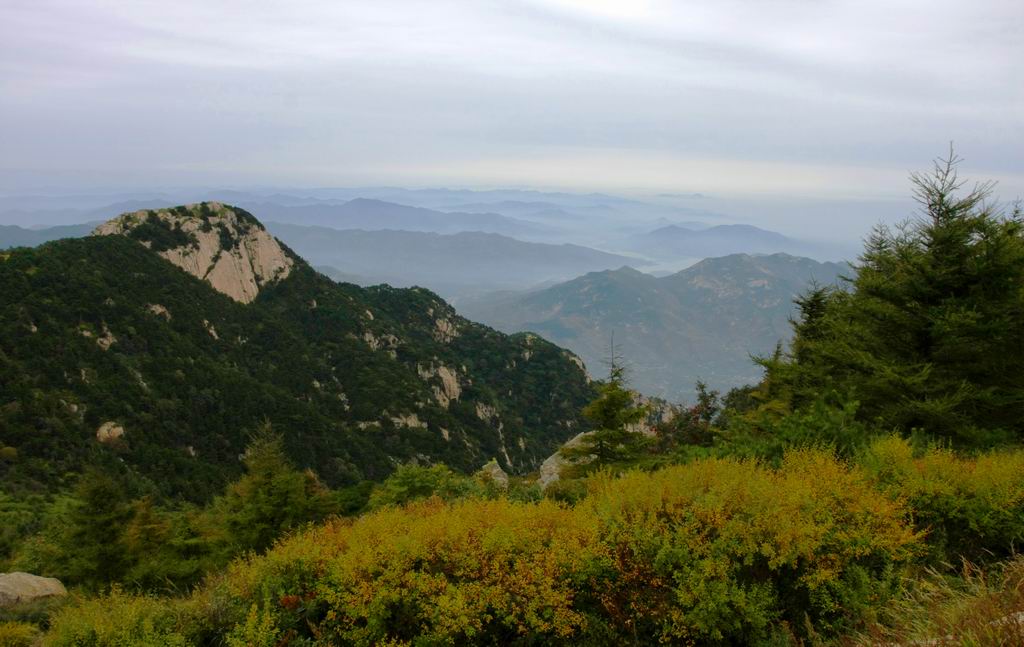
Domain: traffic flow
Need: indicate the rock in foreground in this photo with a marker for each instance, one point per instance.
(19, 588)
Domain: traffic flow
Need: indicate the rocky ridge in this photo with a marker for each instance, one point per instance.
(225, 246)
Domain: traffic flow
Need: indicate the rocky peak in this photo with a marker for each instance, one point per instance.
(223, 245)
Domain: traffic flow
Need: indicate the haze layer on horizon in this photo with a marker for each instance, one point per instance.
(835, 99)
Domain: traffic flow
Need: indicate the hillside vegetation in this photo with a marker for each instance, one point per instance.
(718, 551)
(111, 356)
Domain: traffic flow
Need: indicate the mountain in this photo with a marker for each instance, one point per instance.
(159, 345)
(363, 213)
(675, 241)
(357, 213)
(529, 210)
(15, 236)
(451, 264)
(701, 323)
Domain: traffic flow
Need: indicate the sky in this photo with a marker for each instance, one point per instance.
(822, 98)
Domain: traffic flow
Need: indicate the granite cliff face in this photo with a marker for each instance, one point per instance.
(222, 245)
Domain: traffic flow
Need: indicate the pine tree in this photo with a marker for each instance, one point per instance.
(614, 414)
(92, 552)
(930, 333)
(270, 498)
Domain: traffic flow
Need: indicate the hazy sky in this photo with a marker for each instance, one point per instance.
(802, 97)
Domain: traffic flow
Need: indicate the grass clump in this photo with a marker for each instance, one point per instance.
(18, 634)
(971, 607)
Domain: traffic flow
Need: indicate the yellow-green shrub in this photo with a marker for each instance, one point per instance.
(473, 570)
(120, 618)
(715, 551)
(719, 551)
(17, 634)
(969, 507)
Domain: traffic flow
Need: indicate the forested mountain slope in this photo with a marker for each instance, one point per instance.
(701, 323)
(112, 355)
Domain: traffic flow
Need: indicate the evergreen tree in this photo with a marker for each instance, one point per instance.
(272, 497)
(91, 550)
(930, 333)
(614, 414)
(411, 482)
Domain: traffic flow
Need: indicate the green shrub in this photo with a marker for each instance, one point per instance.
(566, 490)
(122, 619)
(720, 551)
(18, 634)
(413, 482)
(825, 422)
(968, 507)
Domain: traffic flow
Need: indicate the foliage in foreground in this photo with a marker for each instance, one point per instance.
(974, 607)
(18, 634)
(99, 536)
(718, 551)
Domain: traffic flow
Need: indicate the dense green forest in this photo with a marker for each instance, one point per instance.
(102, 330)
(869, 490)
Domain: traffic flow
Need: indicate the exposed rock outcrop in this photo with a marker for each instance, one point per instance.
(486, 411)
(106, 339)
(386, 342)
(449, 389)
(223, 245)
(445, 330)
(551, 468)
(495, 474)
(159, 311)
(410, 420)
(108, 432)
(19, 588)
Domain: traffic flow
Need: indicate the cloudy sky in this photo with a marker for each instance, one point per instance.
(791, 97)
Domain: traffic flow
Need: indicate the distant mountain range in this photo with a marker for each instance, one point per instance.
(453, 265)
(701, 323)
(358, 213)
(362, 213)
(15, 236)
(673, 231)
(676, 241)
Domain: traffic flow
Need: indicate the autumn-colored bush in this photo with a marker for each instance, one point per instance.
(717, 551)
(473, 571)
(720, 551)
(18, 634)
(120, 618)
(968, 507)
(723, 550)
